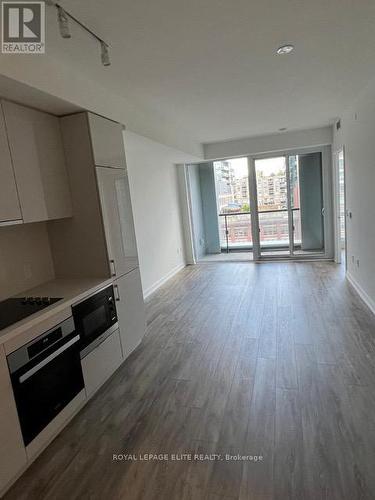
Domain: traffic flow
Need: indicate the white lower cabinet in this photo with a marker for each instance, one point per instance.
(100, 363)
(130, 310)
(13, 454)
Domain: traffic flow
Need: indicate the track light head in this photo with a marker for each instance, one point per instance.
(63, 22)
(64, 17)
(104, 54)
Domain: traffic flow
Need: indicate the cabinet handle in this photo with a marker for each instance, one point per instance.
(112, 263)
(117, 295)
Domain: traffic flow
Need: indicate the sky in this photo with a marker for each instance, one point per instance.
(267, 166)
(270, 165)
(240, 167)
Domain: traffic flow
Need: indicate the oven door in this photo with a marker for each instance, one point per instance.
(44, 386)
(95, 315)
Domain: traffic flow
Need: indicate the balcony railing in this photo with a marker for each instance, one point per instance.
(235, 230)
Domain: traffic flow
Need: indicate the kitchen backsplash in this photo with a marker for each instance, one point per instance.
(25, 258)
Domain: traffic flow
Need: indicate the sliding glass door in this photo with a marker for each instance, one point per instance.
(272, 206)
(306, 189)
(289, 205)
(233, 204)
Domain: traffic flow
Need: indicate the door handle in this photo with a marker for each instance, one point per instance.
(323, 211)
(112, 263)
(117, 293)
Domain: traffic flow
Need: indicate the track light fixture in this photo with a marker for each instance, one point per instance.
(63, 17)
(63, 22)
(285, 49)
(104, 54)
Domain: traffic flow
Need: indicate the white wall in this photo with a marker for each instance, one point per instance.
(197, 211)
(269, 143)
(156, 205)
(357, 135)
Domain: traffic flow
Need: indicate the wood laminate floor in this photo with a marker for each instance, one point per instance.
(274, 360)
(227, 257)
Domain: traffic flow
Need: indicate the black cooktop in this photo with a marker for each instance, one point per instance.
(17, 308)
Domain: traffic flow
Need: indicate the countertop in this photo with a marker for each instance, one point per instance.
(72, 290)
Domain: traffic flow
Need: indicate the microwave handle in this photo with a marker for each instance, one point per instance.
(117, 293)
(113, 267)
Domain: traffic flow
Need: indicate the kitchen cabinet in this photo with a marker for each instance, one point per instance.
(130, 310)
(101, 363)
(38, 161)
(13, 453)
(117, 214)
(107, 142)
(9, 204)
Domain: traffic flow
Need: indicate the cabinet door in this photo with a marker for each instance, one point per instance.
(39, 164)
(9, 204)
(118, 219)
(130, 310)
(107, 142)
(13, 453)
(101, 363)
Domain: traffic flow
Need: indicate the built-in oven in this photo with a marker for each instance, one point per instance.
(95, 319)
(46, 375)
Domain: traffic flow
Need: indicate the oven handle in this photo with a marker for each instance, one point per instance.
(49, 358)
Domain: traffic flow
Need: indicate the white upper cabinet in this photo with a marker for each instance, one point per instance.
(118, 219)
(9, 204)
(107, 142)
(39, 164)
(131, 310)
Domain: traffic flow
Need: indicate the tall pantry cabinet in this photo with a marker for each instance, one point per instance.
(103, 223)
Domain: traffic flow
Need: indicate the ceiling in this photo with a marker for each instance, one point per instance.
(210, 66)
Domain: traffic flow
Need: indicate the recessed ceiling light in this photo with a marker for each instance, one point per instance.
(285, 49)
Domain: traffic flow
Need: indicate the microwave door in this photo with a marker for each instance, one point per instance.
(95, 315)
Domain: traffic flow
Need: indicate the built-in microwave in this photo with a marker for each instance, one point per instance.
(95, 318)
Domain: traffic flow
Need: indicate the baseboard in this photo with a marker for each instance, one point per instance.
(364, 296)
(150, 290)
